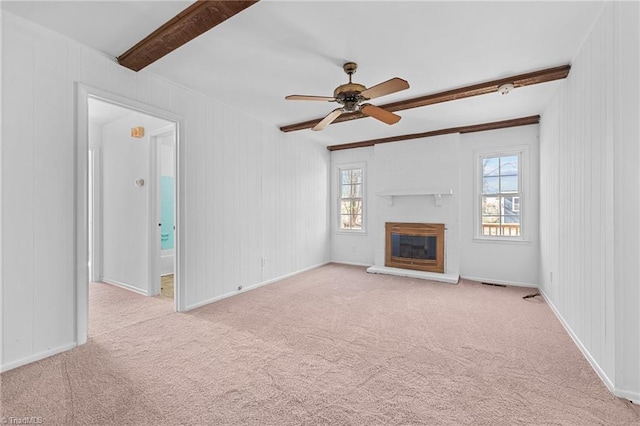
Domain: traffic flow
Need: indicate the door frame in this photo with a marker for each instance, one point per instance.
(155, 211)
(81, 275)
(94, 214)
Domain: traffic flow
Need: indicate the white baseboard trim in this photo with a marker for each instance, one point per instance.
(596, 367)
(634, 397)
(501, 282)
(125, 286)
(366, 265)
(36, 357)
(253, 287)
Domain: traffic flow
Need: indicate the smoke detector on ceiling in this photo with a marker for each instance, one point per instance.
(505, 88)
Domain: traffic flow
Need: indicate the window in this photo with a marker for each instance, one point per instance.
(501, 197)
(351, 206)
(516, 204)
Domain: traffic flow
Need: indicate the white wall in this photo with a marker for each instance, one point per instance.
(589, 222)
(429, 163)
(513, 263)
(125, 206)
(248, 190)
(627, 196)
(445, 161)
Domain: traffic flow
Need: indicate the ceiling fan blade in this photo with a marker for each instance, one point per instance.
(380, 114)
(309, 98)
(328, 119)
(390, 86)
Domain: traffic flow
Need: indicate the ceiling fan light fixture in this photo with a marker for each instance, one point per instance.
(504, 89)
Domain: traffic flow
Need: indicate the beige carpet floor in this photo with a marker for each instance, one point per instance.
(332, 346)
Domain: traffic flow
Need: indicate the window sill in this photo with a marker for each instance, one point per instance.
(507, 240)
(354, 233)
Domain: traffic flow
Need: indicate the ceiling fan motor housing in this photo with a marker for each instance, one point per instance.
(349, 96)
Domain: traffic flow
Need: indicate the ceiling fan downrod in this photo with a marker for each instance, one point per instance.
(348, 94)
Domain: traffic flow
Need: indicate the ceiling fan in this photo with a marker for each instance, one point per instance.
(352, 95)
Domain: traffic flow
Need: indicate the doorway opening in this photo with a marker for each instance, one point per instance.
(163, 201)
(127, 205)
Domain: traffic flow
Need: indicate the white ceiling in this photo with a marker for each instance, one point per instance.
(104, 112)
(277, 48)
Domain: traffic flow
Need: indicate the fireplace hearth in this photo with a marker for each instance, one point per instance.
(417, 246)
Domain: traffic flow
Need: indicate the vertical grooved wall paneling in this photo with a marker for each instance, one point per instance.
(590, 200)
(248, 191)
(570, 188)
(18, 167)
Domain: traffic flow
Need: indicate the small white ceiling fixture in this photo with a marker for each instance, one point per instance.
(506, 88)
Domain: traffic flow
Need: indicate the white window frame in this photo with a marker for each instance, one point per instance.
(338, 186)
(523, 182)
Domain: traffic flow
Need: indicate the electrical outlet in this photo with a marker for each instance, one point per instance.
(550, 276)
(264, 262)
(354, 249)
(239, 287)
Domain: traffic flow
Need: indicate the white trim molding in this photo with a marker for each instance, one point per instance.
(620, 393)
(253, 287)
(36, 357)
(125, 286)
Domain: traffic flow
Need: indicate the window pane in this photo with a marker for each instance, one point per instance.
(511, 205)
(356, 207)
(345, 177)
(345, 207)
(488, 220)
(511, 219)
(351, 191)
(356, 176)
(351, 221)
(490, 166)
(491, 225)
(490, 185)
(508, 183)
(509, 165)
(510, 230)
(356, 221)
(490, 206)
(345, 222)
(351, 214)
(500, 203)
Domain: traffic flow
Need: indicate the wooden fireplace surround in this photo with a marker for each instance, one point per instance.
(419, 229)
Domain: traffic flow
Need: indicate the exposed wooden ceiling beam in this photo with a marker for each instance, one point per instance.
(520, 80)
(195, 20)
(523, 121)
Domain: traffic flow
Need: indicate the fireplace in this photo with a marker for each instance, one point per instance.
(418, 246)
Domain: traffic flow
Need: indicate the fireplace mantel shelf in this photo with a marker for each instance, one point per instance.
(437, 194)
